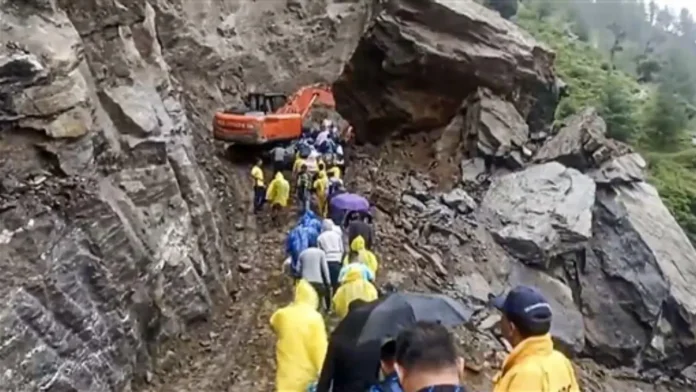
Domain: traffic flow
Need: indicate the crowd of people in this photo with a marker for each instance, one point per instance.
(333, 266)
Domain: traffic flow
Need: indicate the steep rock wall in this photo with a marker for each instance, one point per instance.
(110, 237)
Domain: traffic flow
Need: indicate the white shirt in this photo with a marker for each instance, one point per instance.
(331, 242)
(322, 137)
(313, 265)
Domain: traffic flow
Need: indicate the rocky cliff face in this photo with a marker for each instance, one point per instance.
(111, 237)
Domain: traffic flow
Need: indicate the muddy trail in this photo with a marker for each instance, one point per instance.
(235, 350)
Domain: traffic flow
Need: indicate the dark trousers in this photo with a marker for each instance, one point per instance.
(259, 197)
(324, 294)
(303, 200)
(334, 271)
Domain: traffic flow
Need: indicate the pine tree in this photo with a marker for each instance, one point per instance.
(616, 107)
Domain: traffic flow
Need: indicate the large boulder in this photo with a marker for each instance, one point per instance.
(581, 143)
(488, 126)
(420, 60)
(639, 283)
(540, 212)
(566, 316)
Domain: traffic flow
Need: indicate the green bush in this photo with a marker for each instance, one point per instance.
(654, 125)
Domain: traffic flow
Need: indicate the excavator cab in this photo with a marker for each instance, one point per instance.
(269, 117)
(265, 102)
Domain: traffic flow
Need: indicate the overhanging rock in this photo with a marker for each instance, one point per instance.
(421, 58)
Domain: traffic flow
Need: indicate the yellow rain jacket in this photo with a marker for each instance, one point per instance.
(535, 366)
(357, 246)
(321, 184)
(257, 175)
(278, 190)
(302, 341)
(336, 170)
(297, 165)
(354, 287)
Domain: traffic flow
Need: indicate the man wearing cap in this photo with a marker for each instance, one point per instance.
(533, 364)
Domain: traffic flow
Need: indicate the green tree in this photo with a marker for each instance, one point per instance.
(652, 12)
(618, 110)
(506, 8)
(665, 120)
(685, 26)
(664, 19)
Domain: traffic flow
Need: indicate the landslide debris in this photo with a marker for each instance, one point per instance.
(564, 208)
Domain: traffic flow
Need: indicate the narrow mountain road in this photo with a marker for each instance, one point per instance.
(235, 350)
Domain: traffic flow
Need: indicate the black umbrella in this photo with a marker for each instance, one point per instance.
(401, 310)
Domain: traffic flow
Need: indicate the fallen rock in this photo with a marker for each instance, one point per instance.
(413, 203)
(472, 169)
(543, 211)
(582, 143)
(459, 200)
(473, 286)
(419, 61)
(639, 289)
(494, 128)
(244, 267)
(620, 170)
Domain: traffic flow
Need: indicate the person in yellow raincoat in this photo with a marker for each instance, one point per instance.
(354, 286)
(302, 341)
(360, 254)
(335, 170)
(533, 364)
(278, 194)
(320, 186)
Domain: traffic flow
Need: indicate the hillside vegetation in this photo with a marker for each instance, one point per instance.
(636, 63)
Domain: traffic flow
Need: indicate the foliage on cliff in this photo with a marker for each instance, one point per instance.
(634, 62)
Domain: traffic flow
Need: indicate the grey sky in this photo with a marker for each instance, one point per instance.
(677, 5)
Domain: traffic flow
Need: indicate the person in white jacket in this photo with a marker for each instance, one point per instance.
(331, 242)
(315, 270)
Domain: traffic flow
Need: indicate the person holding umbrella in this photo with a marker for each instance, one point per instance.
(349, 366)
(533, 364)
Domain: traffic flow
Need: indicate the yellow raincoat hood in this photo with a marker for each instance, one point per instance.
(302, 340)
(357, 246)
(354, 287)
(278, 190)
(306, 295)
(534, 365)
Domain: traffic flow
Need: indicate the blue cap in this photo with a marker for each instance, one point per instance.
(524, 304)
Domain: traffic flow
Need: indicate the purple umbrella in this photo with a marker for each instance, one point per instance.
(350, 202)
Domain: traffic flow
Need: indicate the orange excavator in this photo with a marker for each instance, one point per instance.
(270, 117)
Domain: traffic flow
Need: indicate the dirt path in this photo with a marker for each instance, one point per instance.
(235, 350)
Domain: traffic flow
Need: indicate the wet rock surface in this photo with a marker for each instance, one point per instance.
(128, 252)
(118, 220)
(420, 60)
(540, 212)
